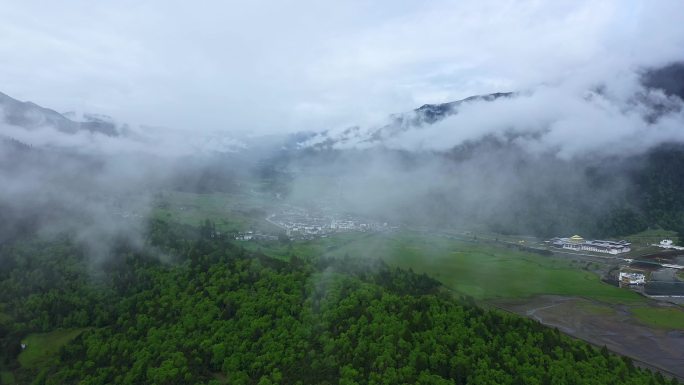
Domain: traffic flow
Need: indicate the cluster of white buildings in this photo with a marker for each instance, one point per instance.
(578, 243)
(630, 278)
(302, 224)
(251, 235)
(335, 226)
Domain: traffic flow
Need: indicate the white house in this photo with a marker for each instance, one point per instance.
(668, 244)
(578, 243)
(632, 278)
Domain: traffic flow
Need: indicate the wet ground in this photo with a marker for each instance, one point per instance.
(607, 324)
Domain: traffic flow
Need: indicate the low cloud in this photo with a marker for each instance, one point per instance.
(268, 67)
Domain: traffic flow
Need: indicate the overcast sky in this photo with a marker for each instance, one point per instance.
(275, 66)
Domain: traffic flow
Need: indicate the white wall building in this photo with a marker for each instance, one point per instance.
(668, 244)
(627, 278)
(578, 243)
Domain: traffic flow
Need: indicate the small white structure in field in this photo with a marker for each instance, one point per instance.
(668, 244)
(245, 236)
(632, 278)
(23, 346)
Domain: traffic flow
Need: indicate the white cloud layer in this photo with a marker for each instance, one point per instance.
(268, 66)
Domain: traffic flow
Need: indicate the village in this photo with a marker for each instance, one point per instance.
(653, 274)
(300, 223)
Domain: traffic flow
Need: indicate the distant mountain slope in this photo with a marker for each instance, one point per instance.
(670, 79)
(495, 179)
(431, 113)
(31, 116)
(399, 123)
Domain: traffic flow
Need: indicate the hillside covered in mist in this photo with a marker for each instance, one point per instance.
(508, 176)
(501, 162)
(342, 192)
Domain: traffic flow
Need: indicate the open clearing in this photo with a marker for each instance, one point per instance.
(480, 270)
(651, 236)
(40, 347)
(231, 212)
(662, 317)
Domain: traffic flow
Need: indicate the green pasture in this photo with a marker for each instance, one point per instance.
(481, 270)
(490, 271)
(230, 212)
(651, 236)
(40, 347)
(661, 317)
(309, 249)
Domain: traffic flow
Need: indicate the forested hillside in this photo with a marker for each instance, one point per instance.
(215, 313)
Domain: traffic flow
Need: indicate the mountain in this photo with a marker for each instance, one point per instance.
(509, 181)
(670, 79)
(31, 116)
(399, 123)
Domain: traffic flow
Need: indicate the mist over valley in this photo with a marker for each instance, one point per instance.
(452, 193)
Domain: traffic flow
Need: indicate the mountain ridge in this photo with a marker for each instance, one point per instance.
(31, 116)
(399, 123)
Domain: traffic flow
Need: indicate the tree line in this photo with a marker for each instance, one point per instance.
(215, 313)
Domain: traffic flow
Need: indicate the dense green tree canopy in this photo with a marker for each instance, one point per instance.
(218, 314)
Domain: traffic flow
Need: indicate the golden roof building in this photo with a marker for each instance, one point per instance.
(576, 239)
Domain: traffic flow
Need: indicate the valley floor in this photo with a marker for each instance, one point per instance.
(614, 325)
(563, 291)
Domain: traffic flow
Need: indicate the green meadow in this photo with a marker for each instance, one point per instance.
(41, 347)
(483, 271)
(651, 236)
(662, 317)
(230, 212)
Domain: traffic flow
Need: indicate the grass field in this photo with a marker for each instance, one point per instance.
(480, 270)
(309, 249)
(662, 317)
(492, 272)
(651, 236)
(230, 212)
(488, 272)
(40, 347)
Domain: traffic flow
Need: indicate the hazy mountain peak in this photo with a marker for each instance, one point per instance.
(399, 123)
(32, 116)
